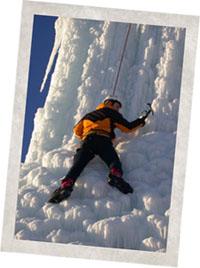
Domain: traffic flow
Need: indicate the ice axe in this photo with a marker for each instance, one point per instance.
(149, 111)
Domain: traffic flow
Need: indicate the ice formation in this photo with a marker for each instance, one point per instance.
(96, 214)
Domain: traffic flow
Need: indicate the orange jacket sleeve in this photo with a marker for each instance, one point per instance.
(78, 129)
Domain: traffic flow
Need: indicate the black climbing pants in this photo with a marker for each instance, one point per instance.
(91, 146)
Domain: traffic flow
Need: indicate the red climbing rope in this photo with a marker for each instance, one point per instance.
(122, 56)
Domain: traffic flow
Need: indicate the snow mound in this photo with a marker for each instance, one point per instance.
(97, 214)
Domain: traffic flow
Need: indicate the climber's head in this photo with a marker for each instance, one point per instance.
(114, 101)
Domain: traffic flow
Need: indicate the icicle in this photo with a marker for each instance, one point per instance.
(58, 38)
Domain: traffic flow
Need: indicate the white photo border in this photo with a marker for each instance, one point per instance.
(190, 23)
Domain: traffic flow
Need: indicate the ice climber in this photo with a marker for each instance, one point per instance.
(96, 132)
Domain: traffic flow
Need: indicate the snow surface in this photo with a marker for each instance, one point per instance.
(96, 214)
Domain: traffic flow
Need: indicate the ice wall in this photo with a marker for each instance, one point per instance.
(96, 214)
(88, 58)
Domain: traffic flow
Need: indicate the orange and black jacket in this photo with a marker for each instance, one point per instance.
(103, 121)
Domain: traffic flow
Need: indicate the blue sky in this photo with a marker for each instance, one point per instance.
(42, 43)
